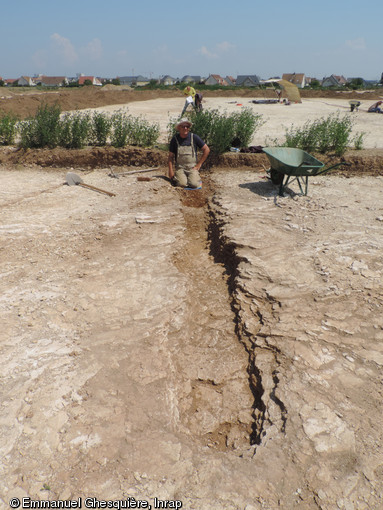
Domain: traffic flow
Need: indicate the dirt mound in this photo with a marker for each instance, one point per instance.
(91, 157)
(364, 162)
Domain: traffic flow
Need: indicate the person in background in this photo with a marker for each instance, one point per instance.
(189, 92)
(198, 102)
(375, 108)
(183, 162)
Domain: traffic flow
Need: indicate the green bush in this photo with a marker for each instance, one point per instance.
(331, 134)
(101, 126)
(8, 129)
(129, 130)
(358, 141)
(120, 129)
(43, 130)
(142, 133)
(75, 130)
(220, 130)
(246, 123)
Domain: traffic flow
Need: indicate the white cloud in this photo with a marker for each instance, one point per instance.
(356, 44)
(225, 46)
(206, 53)
(64, 48)
(93, 50)
(219, 48)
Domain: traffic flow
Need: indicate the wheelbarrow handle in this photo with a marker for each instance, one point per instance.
(332, 167)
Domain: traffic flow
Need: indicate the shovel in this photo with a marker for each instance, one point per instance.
(74, 180)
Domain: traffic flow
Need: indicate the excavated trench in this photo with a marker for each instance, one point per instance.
(224, 253)
(212, 264)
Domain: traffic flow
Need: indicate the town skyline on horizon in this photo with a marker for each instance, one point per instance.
(177, 79)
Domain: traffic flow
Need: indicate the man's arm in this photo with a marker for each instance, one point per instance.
(205, 152)
(171, 159)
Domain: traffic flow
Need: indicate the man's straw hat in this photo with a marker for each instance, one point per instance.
(184, 120)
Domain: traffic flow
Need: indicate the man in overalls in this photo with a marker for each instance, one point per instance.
(183, 149)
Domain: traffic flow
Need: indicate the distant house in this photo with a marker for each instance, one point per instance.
(134, 81)
(168, 80)
(230, 80)
(247, 80)
(334, 81)
(52, 81)
(298, 79)
(368, 83)
(357, 79)
(26, 81)
(9, 82)
(191, 79)
(341, 80)
(92, 79)
(310, 80)
(215, 79)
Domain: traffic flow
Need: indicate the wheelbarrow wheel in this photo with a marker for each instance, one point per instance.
(276, 177)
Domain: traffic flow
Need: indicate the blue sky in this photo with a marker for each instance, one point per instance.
(112, 38)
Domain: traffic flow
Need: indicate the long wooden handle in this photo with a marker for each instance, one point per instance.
(97, 189)
(139, 171)
(112, 174)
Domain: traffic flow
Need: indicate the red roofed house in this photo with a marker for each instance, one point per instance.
(52, 81)
(93, 79)
(334, 81)
(26, 81)
(215, 79)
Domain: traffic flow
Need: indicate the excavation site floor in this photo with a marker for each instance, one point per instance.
(218, 348)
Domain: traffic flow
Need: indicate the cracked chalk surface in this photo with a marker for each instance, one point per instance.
(223, 350)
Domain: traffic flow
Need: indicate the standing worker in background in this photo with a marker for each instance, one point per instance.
(183, 149)
(198, 102)
(189, 92)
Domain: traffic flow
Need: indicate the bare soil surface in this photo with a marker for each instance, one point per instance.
(218, 347)
(24, 102)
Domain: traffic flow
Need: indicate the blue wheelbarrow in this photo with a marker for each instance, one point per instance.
(287, 163)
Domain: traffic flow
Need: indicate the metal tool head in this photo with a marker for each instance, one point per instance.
(73, 179)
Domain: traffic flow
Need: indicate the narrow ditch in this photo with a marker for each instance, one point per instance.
(224, 253)
(208, 251)
(267, 409)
